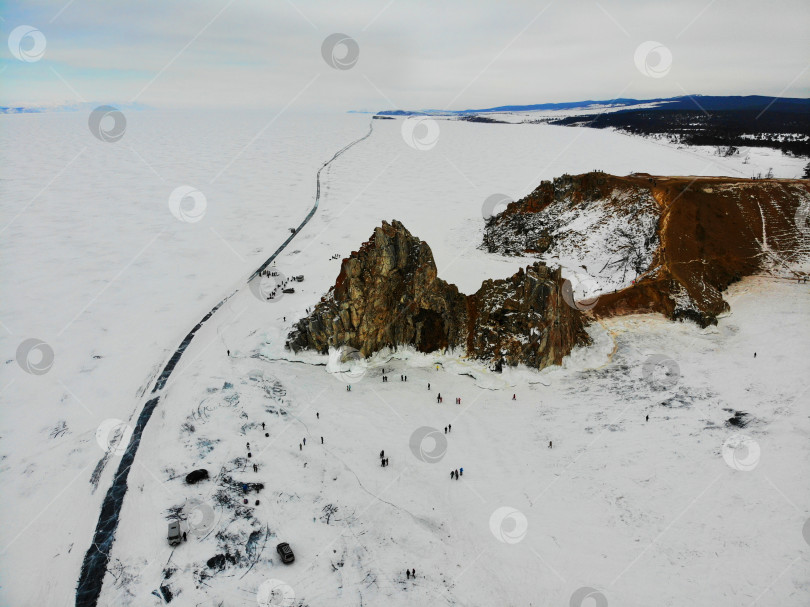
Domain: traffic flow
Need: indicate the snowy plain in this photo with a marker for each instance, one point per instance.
(97, 266)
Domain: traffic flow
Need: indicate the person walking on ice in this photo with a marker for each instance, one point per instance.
(300, 448)
(514, 397)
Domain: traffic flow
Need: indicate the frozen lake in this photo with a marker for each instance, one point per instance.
(96, 265)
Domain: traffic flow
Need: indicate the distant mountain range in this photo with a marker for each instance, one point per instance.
(685, 102)
(67, 107)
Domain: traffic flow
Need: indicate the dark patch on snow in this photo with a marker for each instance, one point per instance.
(738, 419)
(167, 593)
(220, 560)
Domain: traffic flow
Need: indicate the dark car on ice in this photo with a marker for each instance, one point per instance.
(285, 552)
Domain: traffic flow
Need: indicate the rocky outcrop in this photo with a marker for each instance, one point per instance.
(661, 244)
(388, 294)
(524, 319)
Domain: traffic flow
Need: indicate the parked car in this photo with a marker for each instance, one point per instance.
(285, 552)
(174, 535)
(196, 476)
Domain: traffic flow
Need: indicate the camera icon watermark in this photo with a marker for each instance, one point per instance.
(494, 205)
(420, 132)
(200, 517)
(741, 452)
(268, 286)
(180, 209)
(660, 372)
(113, 436)
(587, 597)
(581, 291)
(802, 219)
(347, 364)
(275, 593)
(340, 51)
(508, 525)
(428, 444)
(653, 59)
(35, 356)
(27, 43)
(107, 123)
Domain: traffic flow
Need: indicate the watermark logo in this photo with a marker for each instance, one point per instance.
(275, 593)
(587, 597)
(581, 291)
(347, 364)
(653, 59)
(495, 205)
(508, 525)
(200, 517)
(340, 51)
(741, 452)
(113, 436)
(27, 43)
(428, 444)
(107, 123)
(35, 356)
(802, 219)
(181, 210)
(420, 132)
(268, 287)
(660, 372)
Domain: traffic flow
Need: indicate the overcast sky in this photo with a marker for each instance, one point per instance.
(412, 54)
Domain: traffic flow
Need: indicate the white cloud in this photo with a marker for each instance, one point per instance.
(412, 54)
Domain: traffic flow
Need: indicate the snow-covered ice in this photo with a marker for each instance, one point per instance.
(98, 268)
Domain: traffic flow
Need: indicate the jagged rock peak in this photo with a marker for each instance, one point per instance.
(388, 294)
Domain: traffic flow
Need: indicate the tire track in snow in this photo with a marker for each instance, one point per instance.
(97, 557)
